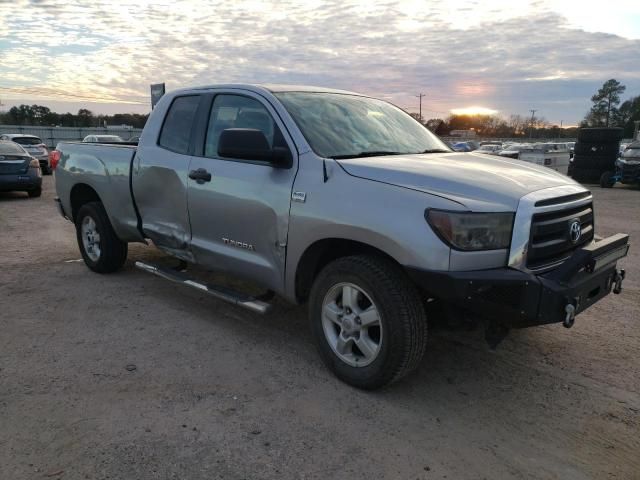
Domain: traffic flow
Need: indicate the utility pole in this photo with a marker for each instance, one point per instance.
(561, 132)
(533, 112)
(420, 97)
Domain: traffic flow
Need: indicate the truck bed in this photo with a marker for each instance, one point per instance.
(105, 169)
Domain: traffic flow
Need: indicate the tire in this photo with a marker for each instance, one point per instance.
(600, 134)
(607, 180)
(595, 162)
(585, 175)
(597, 149)
(111, 252)
(401, 329)
(35, 193)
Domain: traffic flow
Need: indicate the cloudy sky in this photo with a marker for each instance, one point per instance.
(504, 55)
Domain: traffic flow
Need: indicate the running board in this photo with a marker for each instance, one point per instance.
(221, 293)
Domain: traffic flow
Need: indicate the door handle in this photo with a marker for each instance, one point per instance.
(200, 175)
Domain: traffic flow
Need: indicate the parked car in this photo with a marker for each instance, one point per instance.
(345, 202)
(489, 148)
(463, 146)
(34, 147)
(19, 171)
(627, 168)
(552, 155)
(135, 139)
(103, 139)
(513, 151)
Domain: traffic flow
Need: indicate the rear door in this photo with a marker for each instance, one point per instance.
(240, 217)
(160, 178)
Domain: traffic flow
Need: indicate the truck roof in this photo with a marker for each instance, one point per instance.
(273, 88)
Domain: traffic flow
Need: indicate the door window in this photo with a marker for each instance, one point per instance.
(176, 131)
(236, 111)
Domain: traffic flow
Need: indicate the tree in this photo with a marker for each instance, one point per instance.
(417, 117)
(605, 103)
(85, 118)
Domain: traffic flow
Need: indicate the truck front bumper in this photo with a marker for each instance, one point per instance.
(517, 299)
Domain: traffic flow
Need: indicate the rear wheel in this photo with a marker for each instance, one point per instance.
(101, 249)
(368, 321)
(35, 193)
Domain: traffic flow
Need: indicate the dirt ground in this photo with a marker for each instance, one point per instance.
(128, 376)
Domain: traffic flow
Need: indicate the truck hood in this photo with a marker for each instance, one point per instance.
(479, 182)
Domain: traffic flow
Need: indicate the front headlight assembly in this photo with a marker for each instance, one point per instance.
(470, 231)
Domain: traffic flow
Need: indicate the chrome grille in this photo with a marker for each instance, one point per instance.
(550, 241)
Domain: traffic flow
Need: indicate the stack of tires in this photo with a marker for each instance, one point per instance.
(595, 153)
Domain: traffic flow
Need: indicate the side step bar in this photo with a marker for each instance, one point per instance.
(221, 293)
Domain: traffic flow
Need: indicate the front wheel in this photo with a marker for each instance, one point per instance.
(101, 249)
(368, 321)
(35, 193)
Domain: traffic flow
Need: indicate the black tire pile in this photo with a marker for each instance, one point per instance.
(595, 153)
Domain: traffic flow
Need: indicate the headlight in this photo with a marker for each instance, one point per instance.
(472, 231)
(34, 163)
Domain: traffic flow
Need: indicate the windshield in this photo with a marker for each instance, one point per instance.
(27, 140)
(10, 148)
(341, 126)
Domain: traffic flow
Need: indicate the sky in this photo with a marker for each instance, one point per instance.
(507, 56)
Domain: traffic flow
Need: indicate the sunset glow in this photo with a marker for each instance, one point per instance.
(473, 111)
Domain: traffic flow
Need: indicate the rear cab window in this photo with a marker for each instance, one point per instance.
(178, 124)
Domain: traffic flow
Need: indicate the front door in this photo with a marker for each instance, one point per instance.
(240, 216)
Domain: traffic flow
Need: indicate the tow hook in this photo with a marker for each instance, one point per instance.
(570, 319)
(617, 281)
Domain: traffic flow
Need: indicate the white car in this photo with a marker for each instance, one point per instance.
(491, 149)
(34, 147)
(103, 139)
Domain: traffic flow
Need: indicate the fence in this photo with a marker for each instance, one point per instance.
(52, 135)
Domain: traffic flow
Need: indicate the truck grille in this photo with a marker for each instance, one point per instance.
(631, 173)
(550, 241)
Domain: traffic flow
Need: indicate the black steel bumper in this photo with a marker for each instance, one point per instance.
(517, 299)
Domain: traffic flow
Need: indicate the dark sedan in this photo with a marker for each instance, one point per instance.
(19, 171)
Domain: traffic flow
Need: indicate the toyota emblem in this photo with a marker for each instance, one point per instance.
(575, 231)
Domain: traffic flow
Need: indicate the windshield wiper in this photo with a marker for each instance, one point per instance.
(435, 150)
(376, 153)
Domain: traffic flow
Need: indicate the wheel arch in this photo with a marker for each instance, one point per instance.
(81, 194)
(322, 252)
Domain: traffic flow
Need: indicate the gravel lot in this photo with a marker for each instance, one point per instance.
(128, 376)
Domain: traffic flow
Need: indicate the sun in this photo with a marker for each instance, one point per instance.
(473, 111)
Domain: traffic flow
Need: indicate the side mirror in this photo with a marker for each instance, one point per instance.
(251, 144)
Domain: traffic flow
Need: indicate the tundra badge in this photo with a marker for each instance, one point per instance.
(234, 243)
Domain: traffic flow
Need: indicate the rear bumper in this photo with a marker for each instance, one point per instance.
(519, 299)
(21, 182)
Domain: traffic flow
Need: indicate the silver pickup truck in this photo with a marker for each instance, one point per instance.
(345, 202)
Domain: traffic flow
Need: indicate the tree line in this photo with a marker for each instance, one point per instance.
(606, 111)
(43, 116)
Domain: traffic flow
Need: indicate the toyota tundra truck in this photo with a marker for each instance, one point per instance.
(344, 202)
